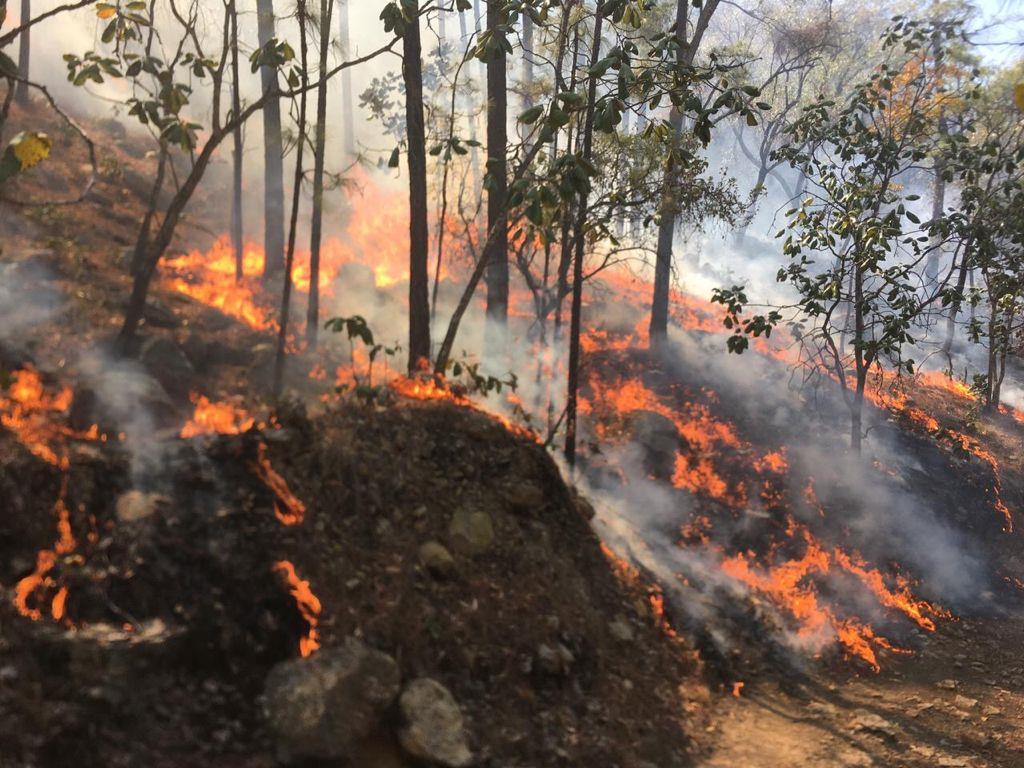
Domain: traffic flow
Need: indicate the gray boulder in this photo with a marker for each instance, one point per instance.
(433, 729)
(322, 706)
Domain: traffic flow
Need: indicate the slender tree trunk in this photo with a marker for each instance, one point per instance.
(273, 154)
(236, 191)
(577, 269)
(473, 153)
(931, 267)
(954, 307)
(347, 106)
(319, 153)
(685, 53)
(667, 224)
(527, 61)
(24, 53)
(496, 252)
(142, 240)
(862, 363)
(286, 292)
(419, 304)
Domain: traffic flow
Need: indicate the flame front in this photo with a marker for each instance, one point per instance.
(307, 603)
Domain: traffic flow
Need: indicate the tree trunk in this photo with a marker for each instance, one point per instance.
(24, 52)
(273, 154)
(419, 304)
(496, 252)
(142, 240)
(347, 106)
(286, 292)
(931, 267)
(577, 269)
(685, 53)
(236, 157)
(667, 224)
(527, 61)
(319, 152)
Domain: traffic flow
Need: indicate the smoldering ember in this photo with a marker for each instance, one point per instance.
(511, 383)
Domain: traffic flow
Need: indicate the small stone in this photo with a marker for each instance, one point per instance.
(872, 723)
(621, 631)
(964, 702)
(472, 531)
(989, 711)
(433, 729)
(554, 660)
(946, 685)
(436, 558)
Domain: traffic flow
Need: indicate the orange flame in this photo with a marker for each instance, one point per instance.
(288, 507)
(220, 417)
(308, 605)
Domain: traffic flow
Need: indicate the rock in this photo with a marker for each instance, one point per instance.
(136, 505)
(990, 711)
(946, 685)
(964, 702)
(471, 531)
(433, 729)
(621, 631)
(524, 498)
(168, 364)
(436, 558)
(952, 762)
(321, 706)
(869, 722)
(554, 660)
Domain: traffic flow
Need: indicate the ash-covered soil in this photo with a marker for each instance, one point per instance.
(180, 613)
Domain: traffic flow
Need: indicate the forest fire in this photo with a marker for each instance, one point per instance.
(307, 603)
(210, 277)
(792, 584)
(27, 597)
(216, 417)
(28, 411)
(288, 508)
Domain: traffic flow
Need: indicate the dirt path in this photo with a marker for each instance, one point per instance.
(959, 703)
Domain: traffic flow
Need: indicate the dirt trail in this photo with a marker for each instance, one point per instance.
(959, 703)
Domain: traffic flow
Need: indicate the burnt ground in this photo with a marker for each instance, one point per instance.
(208, 617)
(192, 574)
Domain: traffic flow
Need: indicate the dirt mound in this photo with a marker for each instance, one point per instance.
(425, 530)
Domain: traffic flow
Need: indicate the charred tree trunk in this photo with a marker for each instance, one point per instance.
(419, 304)
(286, 292)
(496, 253)
(577, 268)
(347, 107)
(954, 307)
(236, 157)
(273, 154)
(24, 52)
(319, 152)
(685, 53)
(142, 240)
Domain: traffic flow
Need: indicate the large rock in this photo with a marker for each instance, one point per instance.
(167, 363)
(437, 559)
(433, 729)
(471, 531)
(322, 706)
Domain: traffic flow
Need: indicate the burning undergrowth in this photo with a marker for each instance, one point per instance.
(766, 538)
